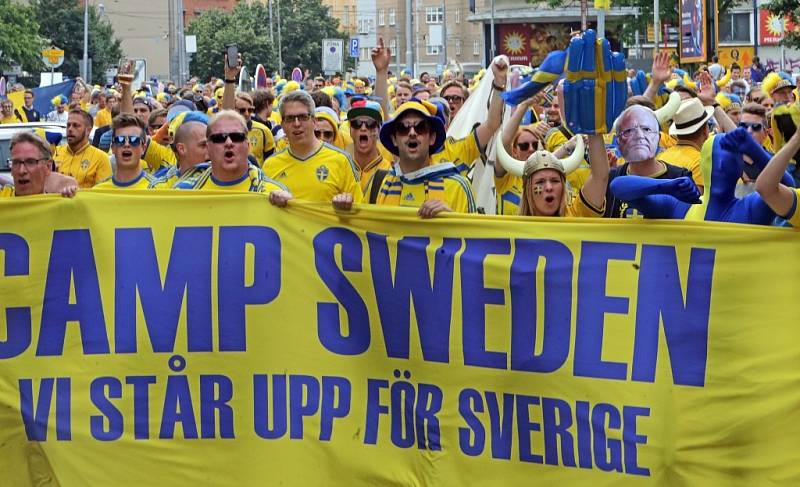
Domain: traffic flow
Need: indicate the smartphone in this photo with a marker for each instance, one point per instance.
(233, 55)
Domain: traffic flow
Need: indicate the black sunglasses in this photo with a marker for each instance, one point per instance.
(454, 98)
(421, 128)
(236, 137)
(370, 124)
(133, 140)
(328, 134)
(523, 146)
(757, 127)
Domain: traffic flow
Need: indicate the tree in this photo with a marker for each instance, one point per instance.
(787, 9)
(61, 23)
(19, 38)
(247, 26)
(304, 24)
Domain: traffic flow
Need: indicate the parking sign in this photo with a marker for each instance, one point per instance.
(354, 47)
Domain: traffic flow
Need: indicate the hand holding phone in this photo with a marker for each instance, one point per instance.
(232, 52)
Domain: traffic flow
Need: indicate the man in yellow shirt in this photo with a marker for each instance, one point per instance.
(690, 126)
(87, 164)
(103, 115)
(30, 169)
(415, 180)
(311, 169)
(230, 169)
(7, 113)
(127, 144)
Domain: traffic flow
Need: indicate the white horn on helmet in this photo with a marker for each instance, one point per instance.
(515, 167)
(573, 161)
(669, 109)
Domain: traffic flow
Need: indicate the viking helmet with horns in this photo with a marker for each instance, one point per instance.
(539, 160)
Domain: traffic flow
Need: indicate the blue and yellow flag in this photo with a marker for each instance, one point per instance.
(550, 71)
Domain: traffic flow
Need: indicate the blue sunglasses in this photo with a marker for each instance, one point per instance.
(133, 140)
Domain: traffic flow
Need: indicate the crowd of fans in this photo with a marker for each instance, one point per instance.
(719, 144)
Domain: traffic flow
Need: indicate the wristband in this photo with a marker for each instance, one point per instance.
(498, 88)
(715, 106)
(233, 81)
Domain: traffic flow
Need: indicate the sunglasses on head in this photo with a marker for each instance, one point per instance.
(236, 137)
(370, 124)
(421, 128)
(133, 140)
(757, 127)
(328, 134)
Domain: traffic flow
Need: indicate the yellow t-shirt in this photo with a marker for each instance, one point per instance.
(253, 181)
(684, 154)
(7, 191)
(580, 207)
(262, 144)
(102, 118)
(10, 119)
(462, 153)
(142, 181)
(321, 176)
(88, 165)
(368, 172)
(158, 156)
(509, 194)
(440, 181)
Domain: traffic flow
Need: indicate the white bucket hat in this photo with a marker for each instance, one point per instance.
(690, 116)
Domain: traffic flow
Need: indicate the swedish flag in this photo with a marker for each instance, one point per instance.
(551, 70)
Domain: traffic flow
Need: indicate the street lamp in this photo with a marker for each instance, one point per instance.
(85, 67)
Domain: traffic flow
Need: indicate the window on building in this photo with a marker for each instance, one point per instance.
(381, 17)
(363, 26)
(434, 15)
(458, 47)
(392, 16)
(735, 27)
(458, 16)
(346, 17)
(365, 54)
(393, 45)
(476, 47)
(433, 50)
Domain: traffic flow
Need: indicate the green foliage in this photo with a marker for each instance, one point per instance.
(304, 24)
(787, 8)
(19, 37)
(61, 24)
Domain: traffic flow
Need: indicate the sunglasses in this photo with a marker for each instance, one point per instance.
(421, 128)
(302, 117)
(370, 124)
(524, 146)
(327, 134)
(133, 140)
(243, 111)
(454, 98)
(155, 126)
(236, 137)
(757, 127)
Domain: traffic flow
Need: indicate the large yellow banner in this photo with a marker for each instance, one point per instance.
(216, 340)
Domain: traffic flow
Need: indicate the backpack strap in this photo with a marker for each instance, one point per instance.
(377, 182)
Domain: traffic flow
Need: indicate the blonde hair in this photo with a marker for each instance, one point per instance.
(226, 115)
(528, 209)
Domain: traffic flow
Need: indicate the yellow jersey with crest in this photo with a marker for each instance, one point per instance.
(88, 165)
(142, 181)
(158, 156)
(440, 181)
(254, 181)
(262, 143)
(319, 177)
(509, 194)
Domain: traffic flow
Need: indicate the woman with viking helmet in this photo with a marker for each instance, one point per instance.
(544, 179)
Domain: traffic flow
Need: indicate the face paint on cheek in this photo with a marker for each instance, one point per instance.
(538, 189)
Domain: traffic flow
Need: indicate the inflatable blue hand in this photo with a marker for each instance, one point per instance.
(551, 69)
(596, 88)
(684, 189)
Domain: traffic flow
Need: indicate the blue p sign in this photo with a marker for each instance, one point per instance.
(354, 47)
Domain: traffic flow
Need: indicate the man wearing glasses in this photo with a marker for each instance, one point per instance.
(127, 144)
(30, 168)
(230, 169)
(415, 180)
(365, 119)
(311, 169)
